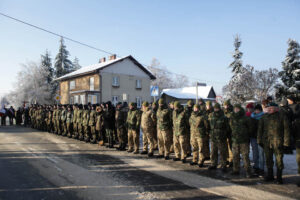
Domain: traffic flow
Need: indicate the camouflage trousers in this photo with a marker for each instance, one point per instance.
(75, 130)
(160, 142)
(133, 140)
(93, 134)
(148, 139)
(155, 140)
(86, 130)
(243, 149)
(229, 154)
(64, 128)
(80, 131)
(58, 127)
(69, 129)
(269, 152)
(167, 141)
(198, 147)
(122, 136)
(54, 126)
(218, 146)
(206, 151)
(180, 146)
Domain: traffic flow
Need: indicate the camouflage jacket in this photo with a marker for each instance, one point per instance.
(239, 124)
(147, 120)
(198, 124)
(58, 114)
(69, 117)
(54, 116)
(273, 131)
(164, 119)
(120, 118)
(180, 122)
(218, 125)
(85, 117)
(79, 116)
(63, 116)
(93, 118)
(133, 119)
(100, 121)
(74, 119)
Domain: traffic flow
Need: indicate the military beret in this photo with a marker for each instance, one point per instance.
(145, 103)
(161, 101)
(177, 104)
(217, 105)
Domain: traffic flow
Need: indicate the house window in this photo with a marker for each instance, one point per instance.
(76, 99)
(138, 84)
(82, 99)
(72, 85)
(138, 102)
(116, 81)
(92, 85)
(115, 100)
(92, 99)
(71, 100)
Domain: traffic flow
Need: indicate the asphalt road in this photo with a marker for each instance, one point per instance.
(39, 165)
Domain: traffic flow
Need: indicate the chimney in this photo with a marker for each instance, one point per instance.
(102, 60)
(113, 57)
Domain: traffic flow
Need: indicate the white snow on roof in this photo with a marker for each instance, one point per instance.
(188, 92)
(90, 68)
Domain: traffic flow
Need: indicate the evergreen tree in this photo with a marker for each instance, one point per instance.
(62, 64)
(237, 64)
(290, 75)
(46, 63)
(76, 64)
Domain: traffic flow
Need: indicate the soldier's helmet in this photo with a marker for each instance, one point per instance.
(161, 101)
(196, 106)
(146, 104)
(177, 104)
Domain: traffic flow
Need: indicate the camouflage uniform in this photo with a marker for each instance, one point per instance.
(206, 150)
(188, 111)
(49, 121)
(147, 124)
(63, 119)
(218, 136)
(92, 125)
(240, 124)
(228, 112)
(109, 124)
(85, 124)
(79, 119)
(198, 128)
(120, 120)
(154, 109)
(273, 135)
(180, 129)
(74, 121)
(69, 119)
(164, 129)
(100, 125)
(54, 120)
(58, 122)
(133, 122)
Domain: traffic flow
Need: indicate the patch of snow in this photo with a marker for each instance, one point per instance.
(189, 92)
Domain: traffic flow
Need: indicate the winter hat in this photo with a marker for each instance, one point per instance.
(132, 104)
(217, 105)
(227, 102)
(237, 106)
(208, 103)
(197, 106)
(250, 105)
(154, 104)
(145, 103)
(190, 103)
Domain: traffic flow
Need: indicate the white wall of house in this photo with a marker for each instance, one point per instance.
(127, 74)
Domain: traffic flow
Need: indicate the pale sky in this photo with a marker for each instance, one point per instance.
(192, 37)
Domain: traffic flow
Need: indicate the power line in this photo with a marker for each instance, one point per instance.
(87, 45)
(56, 34)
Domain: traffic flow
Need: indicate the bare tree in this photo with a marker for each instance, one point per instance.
(265, 82)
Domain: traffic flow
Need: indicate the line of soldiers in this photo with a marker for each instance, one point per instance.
(205, 131)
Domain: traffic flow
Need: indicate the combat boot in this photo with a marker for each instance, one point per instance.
(176, 159)
(150, 155)
(167, 158)
(279, 176)
(270, 176)
(144, 152)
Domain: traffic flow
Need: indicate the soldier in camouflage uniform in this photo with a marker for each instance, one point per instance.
(74, 120)
(92, 124)
(109, 124)
(218, 136)
(120, 120)
(164, 129)
(154, 109)
(198, 127)
(208, 110)
(228, 110)
(147, 124)
(85, 123)
(133, 123)
(273, 135)
(180, 129)
(58, 122)
(188, 111)
(49, 120)
(63, 120)
(54, 119)
(79, 119)
(69, 122)
(240, 124)
(100, 125)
